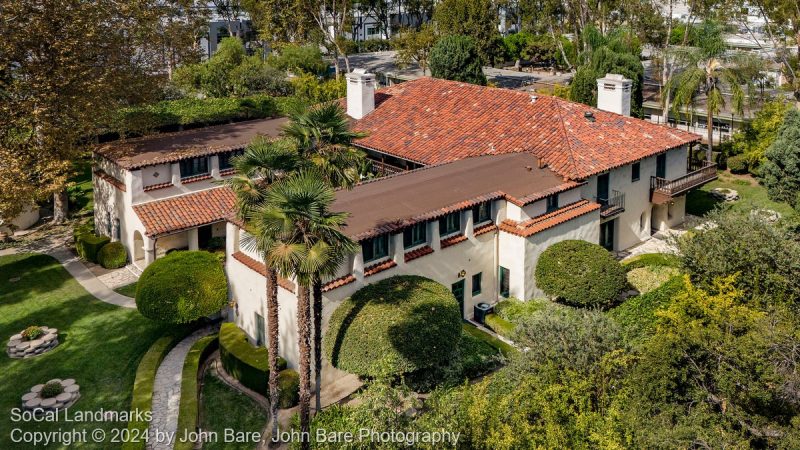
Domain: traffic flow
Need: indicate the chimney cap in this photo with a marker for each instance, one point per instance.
(360, 74)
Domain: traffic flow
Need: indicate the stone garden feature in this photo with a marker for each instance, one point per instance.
(54, 395)
(725, 194)
(32, 341)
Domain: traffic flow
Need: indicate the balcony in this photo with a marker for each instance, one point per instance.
(612, 206)
(382, 169)
(700, 172)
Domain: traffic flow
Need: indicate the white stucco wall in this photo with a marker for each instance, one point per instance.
(26, 219)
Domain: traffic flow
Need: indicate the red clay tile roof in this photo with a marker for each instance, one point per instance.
(110, 180)
(185, 211)
(417, 253)
(432, 121)
(261, 269)
(171, 147)
(483, 229)
(453, 240)
(155, 187)
(338, 282)
(549, 220)
(379, 267)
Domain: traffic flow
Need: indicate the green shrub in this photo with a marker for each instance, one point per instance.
(32, 332)
(499, 325)
(580, 273)
(737, 164)
(79, 230)
(637, 315)
(142, 397)
(216, 243)
(645, 279)
(182, 287)
(501, 346)
(314, 90)
(514, 310)
(188, 411)
(405, 323)
(51, 389)
(112, 255)
(288, 388)
(245, 362)
(88, 245)
(652, 260)
(457, 58)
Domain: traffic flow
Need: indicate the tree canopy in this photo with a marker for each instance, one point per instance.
(456, 58)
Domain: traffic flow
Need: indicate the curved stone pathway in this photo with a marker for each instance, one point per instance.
(167, 393)
(57, 248)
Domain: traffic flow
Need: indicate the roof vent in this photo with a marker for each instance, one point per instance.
(588, 115)
(534, 98)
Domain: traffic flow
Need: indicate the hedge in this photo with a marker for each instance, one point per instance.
(652, 260)
(142, 396)
(737, 164)
(499, 325)
(188, 411)
(637, 316)
(288, 388)
(580, 273)
(88, 245)
(245, 362)
(112, 255)
(400, 324)
(182, 287)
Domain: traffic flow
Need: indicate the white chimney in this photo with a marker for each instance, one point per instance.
(360, 93)
(613, 94)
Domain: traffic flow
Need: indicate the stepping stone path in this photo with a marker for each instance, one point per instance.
(34, 401)
(18, 347)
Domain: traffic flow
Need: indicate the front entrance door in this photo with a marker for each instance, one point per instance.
(203, 236)
(458, 293)
(602, 188)
(607, 235)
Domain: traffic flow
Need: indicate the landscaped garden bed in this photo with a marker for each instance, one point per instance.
(32, 341)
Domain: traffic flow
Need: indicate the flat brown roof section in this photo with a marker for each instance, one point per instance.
(171, 147)
(392, 203)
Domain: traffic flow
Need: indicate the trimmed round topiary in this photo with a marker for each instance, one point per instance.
(737, 164)
(182, 287)
(399, 325)
(32, 332)
(580, 273)
(288, 388)
(112, 255)
(51, 389)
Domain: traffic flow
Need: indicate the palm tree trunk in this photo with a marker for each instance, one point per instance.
(304, 344)
(272, 326)
(318, 342)
(710, 130)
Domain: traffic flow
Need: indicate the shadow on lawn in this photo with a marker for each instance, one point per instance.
(34, 273)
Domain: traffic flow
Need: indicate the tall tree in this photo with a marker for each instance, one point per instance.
(415, 46)
(781, 171)
(279, 22)
(262, 164)
(381, 11)
(708, 69)
(178, 33)
(324, 140)
(64, 68)
(231, 12)
(456, 58)
(308, 243)
(332, 18)
(477, 19)
(782, 20)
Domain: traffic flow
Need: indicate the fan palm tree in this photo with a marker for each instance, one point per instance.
(307, 245)
(708, 69)
(324, 139)
(263, 163)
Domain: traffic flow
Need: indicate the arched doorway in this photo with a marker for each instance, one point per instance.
(138, 249)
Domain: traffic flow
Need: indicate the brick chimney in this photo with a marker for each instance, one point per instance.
(614, 94)
(360, 93)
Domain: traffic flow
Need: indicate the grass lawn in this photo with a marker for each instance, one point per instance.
(700, 201)
(100, 348)
(222, 407)
(128, 290)
(81, 193)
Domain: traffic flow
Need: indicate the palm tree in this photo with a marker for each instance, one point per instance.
(308, 245)
(262, 164)
(708, 69)
(324, 139)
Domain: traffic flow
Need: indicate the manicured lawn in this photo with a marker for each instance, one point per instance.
(700, 201)
(128, 290)
(222, 407)
(81, 194)
(100, 348)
